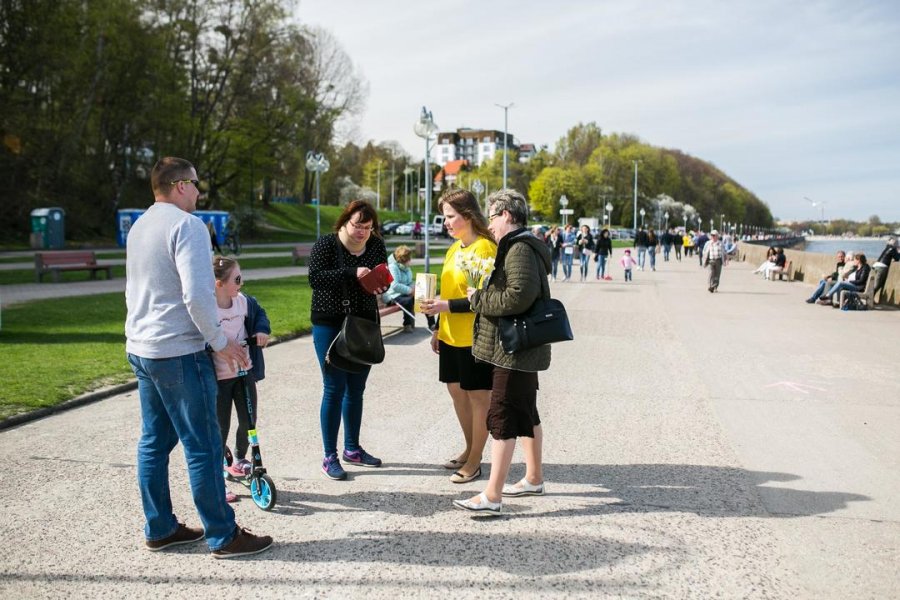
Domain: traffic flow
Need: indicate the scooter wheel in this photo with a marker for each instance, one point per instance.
(263, 492)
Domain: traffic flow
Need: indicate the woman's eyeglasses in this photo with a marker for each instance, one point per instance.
(237, 279)
(359, 227)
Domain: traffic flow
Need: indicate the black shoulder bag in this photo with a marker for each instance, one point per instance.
(546, 322)
(358, 345)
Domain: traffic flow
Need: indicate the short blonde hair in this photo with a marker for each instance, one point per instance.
(402, 254)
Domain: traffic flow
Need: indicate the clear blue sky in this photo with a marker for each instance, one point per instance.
(791, 99)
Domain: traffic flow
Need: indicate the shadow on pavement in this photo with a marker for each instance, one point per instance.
(707, 491)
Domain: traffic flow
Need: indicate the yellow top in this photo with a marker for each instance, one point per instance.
(687, 241)
(456, 328)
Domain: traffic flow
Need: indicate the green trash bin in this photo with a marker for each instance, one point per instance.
(48, 228)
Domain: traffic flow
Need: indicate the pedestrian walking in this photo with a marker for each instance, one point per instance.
(585, 245)
(641, 242)
(568, 251)
(171, 318)
(628, 263)
(555, 243)
(714, 257)
(603, 254)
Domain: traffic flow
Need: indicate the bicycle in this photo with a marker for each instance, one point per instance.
(233, 242)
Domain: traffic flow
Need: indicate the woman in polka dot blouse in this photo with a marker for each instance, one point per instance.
(362, 249)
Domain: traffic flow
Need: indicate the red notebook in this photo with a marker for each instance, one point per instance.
(378, 278)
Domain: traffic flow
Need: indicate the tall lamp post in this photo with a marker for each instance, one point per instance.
(426, 128)
(635, 196)
(407, 172)
(318, 164)
(666, 215)
(643, 212)
(564, 202)
(505, 108)
(609, 208)
(478, 188)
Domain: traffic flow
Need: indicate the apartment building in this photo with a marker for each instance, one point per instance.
(473, 145)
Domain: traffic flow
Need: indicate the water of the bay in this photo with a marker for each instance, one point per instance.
(871, 248)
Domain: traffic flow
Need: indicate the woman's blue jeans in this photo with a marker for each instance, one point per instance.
(601, 265)
(342, 395)
(178, 402)
(652, 252)
(583, 263)
(554, 267)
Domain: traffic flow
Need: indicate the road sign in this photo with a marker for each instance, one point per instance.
(567, 211)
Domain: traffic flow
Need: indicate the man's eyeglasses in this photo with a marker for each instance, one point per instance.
(196, 182)
(359, 227)
(495, 215)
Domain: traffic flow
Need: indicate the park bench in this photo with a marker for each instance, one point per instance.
(386, 309)
(787, 271)
(300, 252)
(67, 260)
(867, 296)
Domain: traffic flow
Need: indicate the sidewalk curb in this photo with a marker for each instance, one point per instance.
(34, 415)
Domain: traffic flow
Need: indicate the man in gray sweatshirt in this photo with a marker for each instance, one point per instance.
(172, 316)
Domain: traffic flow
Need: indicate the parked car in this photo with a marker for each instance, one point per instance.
(405, 229)
(390, 227)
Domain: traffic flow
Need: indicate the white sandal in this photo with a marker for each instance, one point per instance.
(482, 506)
(523, 488)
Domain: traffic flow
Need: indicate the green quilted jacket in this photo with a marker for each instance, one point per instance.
(522, 262)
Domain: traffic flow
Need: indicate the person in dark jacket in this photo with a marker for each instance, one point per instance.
(883, 264)
(334, 279)
(603, 254)
(829, 279)
(519, 278)
(555, 243)
(641, 241)
(856, 281)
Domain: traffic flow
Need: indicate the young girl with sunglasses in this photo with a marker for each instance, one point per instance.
(240, 316)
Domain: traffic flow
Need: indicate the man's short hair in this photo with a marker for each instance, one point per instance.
(165, 171)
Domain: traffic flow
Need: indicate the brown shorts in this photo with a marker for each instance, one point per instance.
(513, 412)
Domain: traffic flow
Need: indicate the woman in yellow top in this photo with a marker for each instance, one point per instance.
(468, 382)
(688, 241)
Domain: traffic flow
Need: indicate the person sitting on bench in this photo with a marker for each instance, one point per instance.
(856, 280)
(829, 279)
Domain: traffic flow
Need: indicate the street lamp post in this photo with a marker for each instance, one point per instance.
(564, 202)
(722, 222)
(666, 215)
(634, 223)
(318, 164)
(426, 128)
(478, 188)
(643, 212)
(505, 108)
(407, 172)
(609, 208)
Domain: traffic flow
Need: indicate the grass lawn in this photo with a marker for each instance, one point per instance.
(54, 350)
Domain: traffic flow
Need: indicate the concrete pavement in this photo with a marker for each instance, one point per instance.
(738, 444)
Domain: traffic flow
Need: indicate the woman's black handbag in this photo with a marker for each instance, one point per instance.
(546, 322)
(358, 344)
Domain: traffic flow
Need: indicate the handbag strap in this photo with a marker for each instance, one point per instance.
(345, 302)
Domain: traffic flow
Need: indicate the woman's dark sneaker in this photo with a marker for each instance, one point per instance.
(332, 468)
(361, 458)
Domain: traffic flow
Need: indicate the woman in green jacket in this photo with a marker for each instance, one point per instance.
(519, 278)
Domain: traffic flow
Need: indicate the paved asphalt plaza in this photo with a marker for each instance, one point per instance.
(741, 444)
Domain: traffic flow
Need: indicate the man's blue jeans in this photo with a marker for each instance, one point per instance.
(342, 396)
(567, 260)
(178, 402)
(642, 256)
(652, 252)
(819, 290)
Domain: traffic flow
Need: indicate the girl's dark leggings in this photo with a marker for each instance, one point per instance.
(231, 391)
